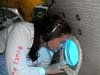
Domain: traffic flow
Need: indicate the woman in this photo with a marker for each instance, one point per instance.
(20, 42)
(53, 40)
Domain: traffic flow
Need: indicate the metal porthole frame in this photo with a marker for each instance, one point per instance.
(69, 70)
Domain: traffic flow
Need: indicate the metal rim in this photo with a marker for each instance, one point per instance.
(70, 70)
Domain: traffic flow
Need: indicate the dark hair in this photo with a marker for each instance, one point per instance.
(49, 34)
(63, 28)
(59, 28)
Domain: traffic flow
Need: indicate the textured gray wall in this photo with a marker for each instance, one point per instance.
(89, 24)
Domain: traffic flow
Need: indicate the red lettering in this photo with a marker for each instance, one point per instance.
(20, 47)
(13, 71)
(16, 60)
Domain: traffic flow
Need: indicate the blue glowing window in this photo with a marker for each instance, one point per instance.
(71, 52)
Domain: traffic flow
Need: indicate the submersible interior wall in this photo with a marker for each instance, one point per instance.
(84, 18)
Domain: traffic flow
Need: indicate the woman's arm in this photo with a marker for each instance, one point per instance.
(57, 67)
(19, 40)
(53, 69)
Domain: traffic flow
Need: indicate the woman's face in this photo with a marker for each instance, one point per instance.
(55, 43)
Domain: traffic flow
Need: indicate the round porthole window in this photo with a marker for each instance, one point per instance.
(71, 52)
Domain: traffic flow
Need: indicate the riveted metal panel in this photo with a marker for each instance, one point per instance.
(89, 24)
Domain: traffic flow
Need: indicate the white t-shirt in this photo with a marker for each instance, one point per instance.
(20, 39)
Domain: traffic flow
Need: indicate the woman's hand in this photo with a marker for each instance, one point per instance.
(56, 68)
